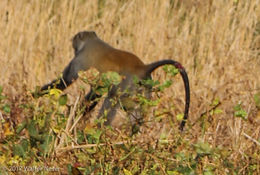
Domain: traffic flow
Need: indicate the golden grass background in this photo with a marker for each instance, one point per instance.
(217, 41)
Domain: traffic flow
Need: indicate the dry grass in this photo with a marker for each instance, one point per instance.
(217, 41)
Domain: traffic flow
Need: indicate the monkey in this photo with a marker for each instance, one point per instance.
(91, 51)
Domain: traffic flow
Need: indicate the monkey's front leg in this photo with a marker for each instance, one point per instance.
(91, 98)
(69, 74)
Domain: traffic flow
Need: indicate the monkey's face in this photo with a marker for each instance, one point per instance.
(79, 40)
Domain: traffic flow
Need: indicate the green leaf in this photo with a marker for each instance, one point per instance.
(80, 136)
(218, 111)
(215, 102)
(2, 97)
(19, 151)
(20, 127)
(144, 100)
(7, 108)
(97, 134)
(25, 144)
(94, 134)
(55, 92)
(242, 114)
(63, 99)
(171, 70)
(101, 90)
(150, 82)
(208, 172)
(239, 112)
(180, 117)
(237, 107)
(110, 78)
(164, 138)
(203, 148)
(32, 129)
(136, 80)
(69, 167)
(33, 132)
(126, 172)
(166, 84)
(46, 146)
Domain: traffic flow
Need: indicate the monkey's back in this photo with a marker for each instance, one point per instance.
(106, 58)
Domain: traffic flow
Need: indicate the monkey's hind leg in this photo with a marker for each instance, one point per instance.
(112, 101)
(109, 107)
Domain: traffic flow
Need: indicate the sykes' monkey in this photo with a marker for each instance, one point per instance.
(90, 51)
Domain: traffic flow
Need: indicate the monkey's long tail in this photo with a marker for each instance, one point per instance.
(151, 67)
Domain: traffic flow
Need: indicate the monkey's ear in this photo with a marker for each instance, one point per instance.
(81, 35)
(92, 33)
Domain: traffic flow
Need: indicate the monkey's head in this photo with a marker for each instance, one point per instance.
(78, 41)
